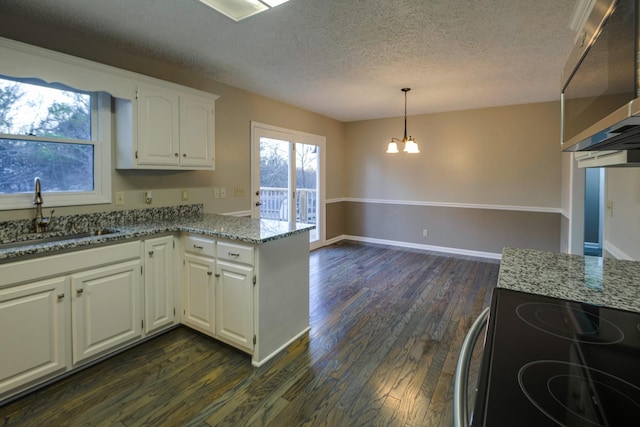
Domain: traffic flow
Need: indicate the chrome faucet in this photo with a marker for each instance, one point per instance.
(40, 223)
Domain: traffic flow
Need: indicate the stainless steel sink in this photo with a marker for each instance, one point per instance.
(37, 241)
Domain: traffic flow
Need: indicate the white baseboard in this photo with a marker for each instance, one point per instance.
(616, 252)
(444, 249)
(282, 347)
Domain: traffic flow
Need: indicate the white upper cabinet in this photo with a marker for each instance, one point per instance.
(158, 127)
(165, 128)
(197, 132)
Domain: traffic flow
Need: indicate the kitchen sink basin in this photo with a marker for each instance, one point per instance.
(37, 241)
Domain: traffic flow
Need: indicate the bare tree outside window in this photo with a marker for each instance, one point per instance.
(42, 133)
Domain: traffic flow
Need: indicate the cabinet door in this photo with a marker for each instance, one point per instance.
(158, 127)
(199, 294)
(234, 307)
(33, 324)
(197, 132)
(159, 311)
(105, 308)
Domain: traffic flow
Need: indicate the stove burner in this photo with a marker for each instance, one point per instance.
(567, 322)
(573, 394)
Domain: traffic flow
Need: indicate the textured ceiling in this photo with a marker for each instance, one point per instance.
(346, 59)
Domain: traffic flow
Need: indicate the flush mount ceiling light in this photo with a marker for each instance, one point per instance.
(242, 9)
(409, 145)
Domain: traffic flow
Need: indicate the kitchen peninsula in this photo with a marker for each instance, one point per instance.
(82, 295)
(563, 342)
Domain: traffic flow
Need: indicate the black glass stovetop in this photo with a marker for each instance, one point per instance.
(552, 362)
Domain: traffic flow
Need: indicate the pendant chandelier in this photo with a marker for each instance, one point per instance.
(409, 144)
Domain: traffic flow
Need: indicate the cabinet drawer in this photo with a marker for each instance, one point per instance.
(238, 253)
(199, 245)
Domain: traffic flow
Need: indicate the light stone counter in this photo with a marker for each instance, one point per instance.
(600, 281)
(248, 230)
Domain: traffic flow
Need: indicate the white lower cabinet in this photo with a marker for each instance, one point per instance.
(199, 294)
(218, 290)
(33, 332)
(234, 308)
(159, 284)
(105, 308)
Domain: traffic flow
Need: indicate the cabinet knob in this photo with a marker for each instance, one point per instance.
(150, 253)
(217, 274)
(209, 273)
(184, 154)
(60, 296)
(79, 291)
(175, 154)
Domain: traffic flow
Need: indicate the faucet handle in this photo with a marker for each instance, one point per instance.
(47, 221)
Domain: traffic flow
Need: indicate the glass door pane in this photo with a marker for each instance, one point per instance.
(287, 175)
(275, 178)
(307, 179)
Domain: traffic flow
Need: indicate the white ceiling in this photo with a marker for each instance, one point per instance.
(346, 59)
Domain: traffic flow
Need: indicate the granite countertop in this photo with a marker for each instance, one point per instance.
(243, 229)
(594, 280)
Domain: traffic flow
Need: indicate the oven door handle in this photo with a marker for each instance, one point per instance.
(461, 381)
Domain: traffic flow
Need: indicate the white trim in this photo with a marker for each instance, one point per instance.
(238, 213)
(293, 136)
(282, 347)
(22, 59)
(565, 214)
(450, 205)
(579, 16)
(102, 142)
(443, 249)
(615, 251)
(337, 200)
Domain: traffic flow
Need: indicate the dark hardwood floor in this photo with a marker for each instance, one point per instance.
(386, 328)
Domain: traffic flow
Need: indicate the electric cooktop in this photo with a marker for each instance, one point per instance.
(553, 362)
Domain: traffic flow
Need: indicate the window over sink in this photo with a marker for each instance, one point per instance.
(56, 133)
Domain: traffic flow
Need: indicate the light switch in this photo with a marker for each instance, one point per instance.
(119, 197)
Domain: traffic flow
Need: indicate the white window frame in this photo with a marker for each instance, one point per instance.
(101, 140)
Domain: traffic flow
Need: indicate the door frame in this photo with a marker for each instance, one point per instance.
(261, 129)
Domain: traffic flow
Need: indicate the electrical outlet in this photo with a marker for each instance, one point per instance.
(223, 192)
(238, 192)
(425, 232)
(185, 195)
(119, 197)
(147, 197)
(216, 192)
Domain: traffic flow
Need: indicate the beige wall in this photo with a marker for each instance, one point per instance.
(479, 230)
(498, 156)
(235, 109)
(622, 223)
(506, 157)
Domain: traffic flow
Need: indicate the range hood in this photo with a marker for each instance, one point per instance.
(623, 134)
(603, 159)
(600, 91)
